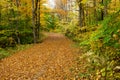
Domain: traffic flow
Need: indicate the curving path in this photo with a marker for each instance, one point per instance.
(50, 60)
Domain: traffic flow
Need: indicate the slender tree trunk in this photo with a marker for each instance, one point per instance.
(38, 21)
(17, 22)
(33, 21)
(87, 17)
(104, 10)
(81, 14)
(95, 13)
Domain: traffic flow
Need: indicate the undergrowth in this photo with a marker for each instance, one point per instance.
(5, 52)
(8, 51)
(101, 45)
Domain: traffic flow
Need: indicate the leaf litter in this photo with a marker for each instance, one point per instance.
(49, 60)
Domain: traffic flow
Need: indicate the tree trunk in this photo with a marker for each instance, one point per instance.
(17, 23)
(36, 19)
(81, 14)
(38, 29)
(95, 13)
(33, 21)
(104, 10)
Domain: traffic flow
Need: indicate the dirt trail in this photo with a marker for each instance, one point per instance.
(50, 60)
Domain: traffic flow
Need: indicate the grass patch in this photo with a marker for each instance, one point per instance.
(12, 50)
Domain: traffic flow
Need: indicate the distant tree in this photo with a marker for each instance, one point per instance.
(61, 8)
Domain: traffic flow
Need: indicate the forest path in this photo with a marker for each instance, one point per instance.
(50, 60)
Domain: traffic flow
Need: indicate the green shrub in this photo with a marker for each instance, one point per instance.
(7, 38)
(105, 43)
(26, 37)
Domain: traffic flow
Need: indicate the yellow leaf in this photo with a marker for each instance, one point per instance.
(84, 1)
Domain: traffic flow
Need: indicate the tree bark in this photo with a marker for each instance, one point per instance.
(95, 13)
(104, 10)
(33, 21)
(17, 23)
(38, 22)
(36, 19)
(81, 14)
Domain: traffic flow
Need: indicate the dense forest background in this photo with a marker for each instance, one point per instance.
(94, 25)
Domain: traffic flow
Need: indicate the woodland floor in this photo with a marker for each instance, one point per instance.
(49, 60)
